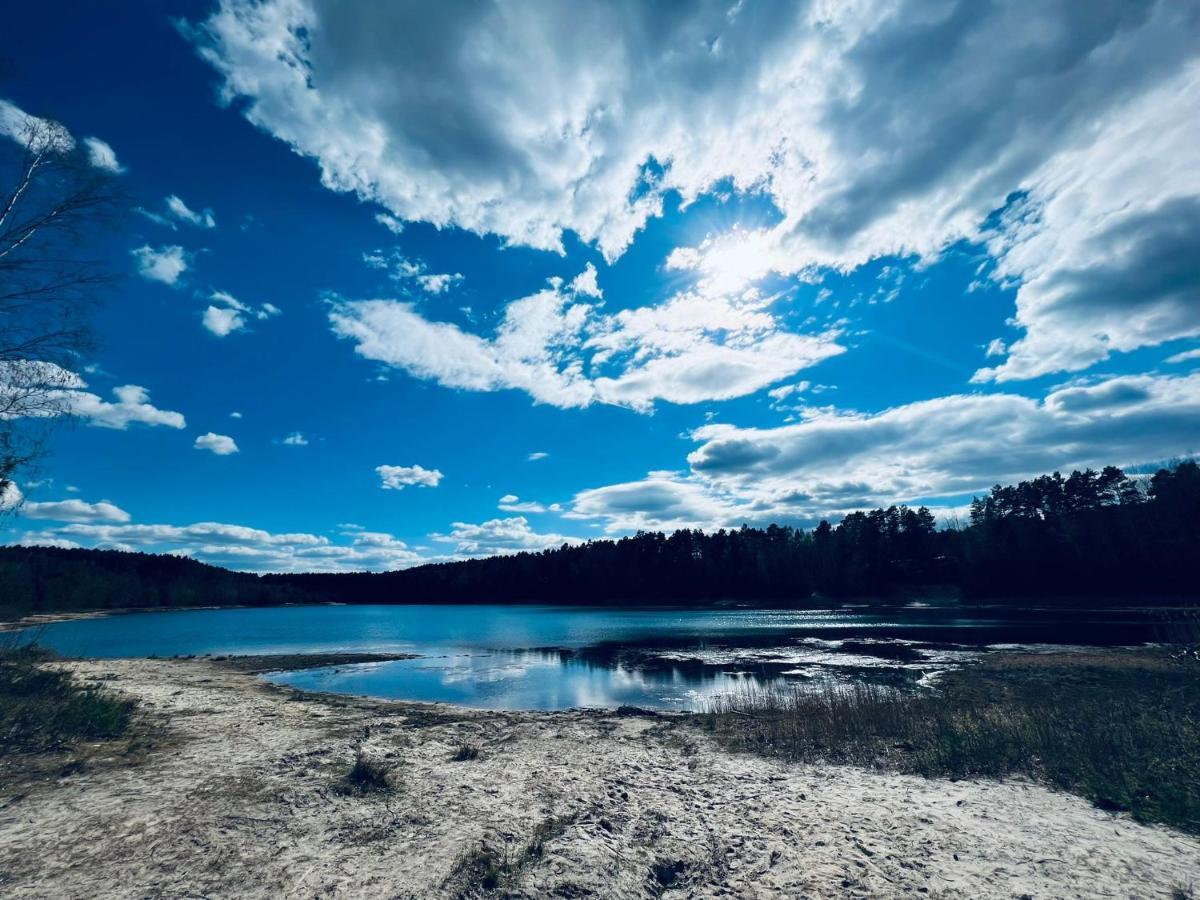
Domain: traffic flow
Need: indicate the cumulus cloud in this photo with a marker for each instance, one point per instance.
(132, 406)
(536, 455)
(163, 264)
(220, 444)
(102, 156)
(75, 511)
(529, 120)
(295, 439)
(499, 536)
(397, 478)
(45, 390)
(585, 283)
(834, 462)
(663, 501)
(221, 320)
(238, 546)
(564, 351)
(227, 314)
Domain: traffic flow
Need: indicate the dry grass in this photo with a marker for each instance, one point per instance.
(486, 870)
(1122, 729)
(465, 752)
(366, 776)
(43, 709)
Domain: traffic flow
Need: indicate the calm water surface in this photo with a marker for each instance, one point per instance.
(538, 657)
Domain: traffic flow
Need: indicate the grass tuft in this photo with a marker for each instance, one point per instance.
(366, 776)
(465, 752)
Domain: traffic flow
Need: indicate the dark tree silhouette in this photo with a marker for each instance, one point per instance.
(1091, 537)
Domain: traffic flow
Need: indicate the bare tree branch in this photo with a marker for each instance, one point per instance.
(55, 205)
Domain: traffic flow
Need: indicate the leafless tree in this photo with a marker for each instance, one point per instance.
(52, 204)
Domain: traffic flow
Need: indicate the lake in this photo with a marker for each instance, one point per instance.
(543, 657)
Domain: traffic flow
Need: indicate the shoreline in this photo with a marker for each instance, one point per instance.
(232, 791)
(33, 620)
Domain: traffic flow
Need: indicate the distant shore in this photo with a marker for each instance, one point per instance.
(230, 787)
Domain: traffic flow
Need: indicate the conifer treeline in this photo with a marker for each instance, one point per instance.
(1091, 535)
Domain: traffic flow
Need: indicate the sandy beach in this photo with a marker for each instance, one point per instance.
(233, 794)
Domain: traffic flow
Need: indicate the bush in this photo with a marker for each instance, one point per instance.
(45, 709)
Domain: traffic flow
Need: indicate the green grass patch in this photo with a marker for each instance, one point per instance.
(45, 709)
(1120, 728)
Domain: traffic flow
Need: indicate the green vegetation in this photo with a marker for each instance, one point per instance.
(52, 579)
(1121, 728)
(43, 709)
(1091, 535)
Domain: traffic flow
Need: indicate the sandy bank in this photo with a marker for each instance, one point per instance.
(235, 799)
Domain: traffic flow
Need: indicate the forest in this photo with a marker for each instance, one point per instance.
(1087, 537)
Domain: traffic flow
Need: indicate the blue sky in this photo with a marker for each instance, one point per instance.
(407, 284)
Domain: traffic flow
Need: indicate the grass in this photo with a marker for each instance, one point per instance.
(1121, 728)
(465, 752)
(45, 709)
(483, 870)
(366, 776)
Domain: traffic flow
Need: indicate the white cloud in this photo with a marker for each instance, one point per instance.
(295, 439)
(132, 406)
(1185, 356)
(438, 284)
(102, 156)
(235, 415)
(180, 210)
(836, 462)
(391, 223)
(221, 320)
(841, 114)
(230, 313)
(402, 269)
(164, 264)
(536, 455)
(585, 283)
(513, 503)
(20, 126)
(46, 390)
(565, 352)
(10, 496)
(499, 536)
(75, 511)
(397, 478)
(220, 444)
(238, 546)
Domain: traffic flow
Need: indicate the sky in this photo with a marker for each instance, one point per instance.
(411, 282)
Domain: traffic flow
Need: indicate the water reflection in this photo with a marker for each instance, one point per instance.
(521, 657)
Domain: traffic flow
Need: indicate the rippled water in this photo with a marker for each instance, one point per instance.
(537, 657)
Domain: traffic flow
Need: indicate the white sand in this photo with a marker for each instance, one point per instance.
(236, 801)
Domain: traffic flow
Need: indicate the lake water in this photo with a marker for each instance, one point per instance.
(538, 657)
